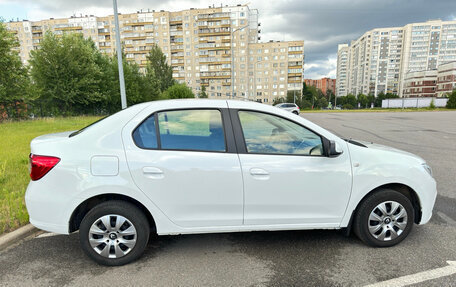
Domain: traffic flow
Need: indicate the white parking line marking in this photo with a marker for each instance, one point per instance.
(419, 277)
(445, 217)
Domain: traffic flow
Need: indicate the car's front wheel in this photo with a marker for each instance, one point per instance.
(114, 233)
(384, 219)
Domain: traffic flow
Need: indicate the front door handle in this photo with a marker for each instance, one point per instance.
(153, 172)
(259, 173)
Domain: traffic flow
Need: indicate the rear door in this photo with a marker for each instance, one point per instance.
(186, 162)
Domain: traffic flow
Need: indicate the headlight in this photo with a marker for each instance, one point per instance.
(427, 168)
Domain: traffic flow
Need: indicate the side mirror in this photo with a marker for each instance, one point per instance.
(332, 149)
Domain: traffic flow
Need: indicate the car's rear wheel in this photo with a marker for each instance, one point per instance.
(384, 219)
(114, 233)
(296, 112)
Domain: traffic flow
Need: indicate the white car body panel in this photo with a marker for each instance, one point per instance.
(86, 170)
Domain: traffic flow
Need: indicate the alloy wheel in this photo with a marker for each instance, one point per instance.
(112, 236)
(387, 220)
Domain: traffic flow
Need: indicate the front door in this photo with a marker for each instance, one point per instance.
(287, 177)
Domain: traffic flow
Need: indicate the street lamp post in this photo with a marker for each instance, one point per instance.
(123, 96)
(232, 59)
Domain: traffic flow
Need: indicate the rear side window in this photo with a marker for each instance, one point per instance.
(145, 135)
(200, 130)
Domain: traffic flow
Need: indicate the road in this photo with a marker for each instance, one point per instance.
(295, 258)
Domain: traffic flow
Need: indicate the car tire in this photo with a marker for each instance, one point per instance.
(120, 243)
(378, 225)
(296, 112)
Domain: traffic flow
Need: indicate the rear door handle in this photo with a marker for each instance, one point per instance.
(259, 173)
(153, 172)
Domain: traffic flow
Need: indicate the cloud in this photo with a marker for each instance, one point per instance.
(321, 68)
(321, 24)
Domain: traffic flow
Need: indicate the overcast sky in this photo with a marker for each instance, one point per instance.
(322, 24)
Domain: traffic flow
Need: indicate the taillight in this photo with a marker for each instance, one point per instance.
(40, 165)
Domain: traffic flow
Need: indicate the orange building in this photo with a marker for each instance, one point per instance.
(324, 84)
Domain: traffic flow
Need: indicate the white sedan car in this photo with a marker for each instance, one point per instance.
(200, 166)
(289, 107)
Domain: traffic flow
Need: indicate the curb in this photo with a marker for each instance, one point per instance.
(15, 236)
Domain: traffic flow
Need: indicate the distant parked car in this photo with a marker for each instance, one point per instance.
(199, 166)
(289, 107)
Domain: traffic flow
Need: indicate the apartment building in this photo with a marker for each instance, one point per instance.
(216, 47)
(381, 58)
(324, 84)
(446, 79)
(431, 83)
(342, 70)
(420, 84)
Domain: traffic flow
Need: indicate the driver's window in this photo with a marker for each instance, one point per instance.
(268, 134)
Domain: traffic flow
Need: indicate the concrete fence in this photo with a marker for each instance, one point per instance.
(413, 102)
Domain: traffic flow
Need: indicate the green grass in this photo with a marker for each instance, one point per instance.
(15, 140)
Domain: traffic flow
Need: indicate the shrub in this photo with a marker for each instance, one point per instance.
(451, 104)
(432, 104)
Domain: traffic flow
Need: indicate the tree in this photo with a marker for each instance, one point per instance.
(310, 95)
(178, 91)
(451, 103)
(14, 80)
(351, 100)
(203, 94)
(158, 69)
(323, 103)
(67, 72)
(363, 100)
(370, 99)
(341, 100)
(137, 88)
(293, 97)
(278, 100)
(330, 96)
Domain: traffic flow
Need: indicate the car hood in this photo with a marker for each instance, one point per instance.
(379, 147)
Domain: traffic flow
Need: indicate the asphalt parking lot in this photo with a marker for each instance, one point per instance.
(295, 258)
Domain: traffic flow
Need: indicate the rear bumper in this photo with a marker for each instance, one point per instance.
(47, 211)
(50, 227)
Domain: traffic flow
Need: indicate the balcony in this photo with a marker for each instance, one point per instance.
(177, 48)
(214, 16)
(214, 31)
(68, 28)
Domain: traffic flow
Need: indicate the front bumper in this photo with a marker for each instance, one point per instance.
(427, 199)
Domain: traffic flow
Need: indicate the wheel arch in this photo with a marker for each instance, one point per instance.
(404, 189)
(83, 208)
